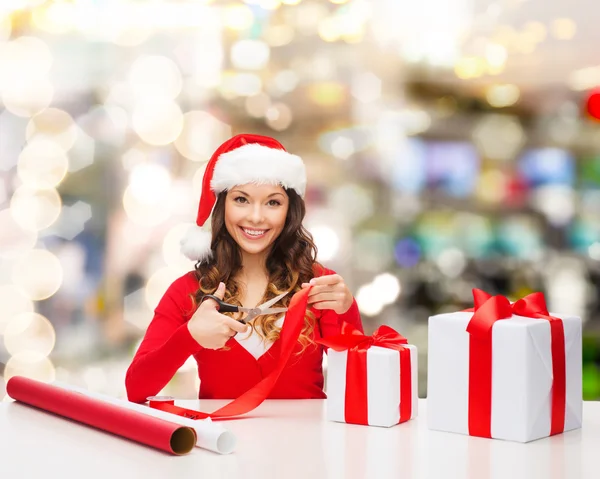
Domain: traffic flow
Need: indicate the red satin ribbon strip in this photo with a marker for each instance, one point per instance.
(251, 399)
(489, 309)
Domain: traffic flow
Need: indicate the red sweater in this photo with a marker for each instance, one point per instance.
(224, 374)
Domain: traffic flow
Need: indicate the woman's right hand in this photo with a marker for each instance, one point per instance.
(210, 328)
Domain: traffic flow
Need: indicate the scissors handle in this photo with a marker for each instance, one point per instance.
(223, 307)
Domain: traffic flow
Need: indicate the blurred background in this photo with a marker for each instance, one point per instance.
(450, 144)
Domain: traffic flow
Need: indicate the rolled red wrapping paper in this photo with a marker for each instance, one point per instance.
(133, 425)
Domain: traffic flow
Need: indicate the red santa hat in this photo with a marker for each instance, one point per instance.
(240, 160)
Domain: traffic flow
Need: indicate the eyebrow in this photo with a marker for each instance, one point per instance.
(244, 193)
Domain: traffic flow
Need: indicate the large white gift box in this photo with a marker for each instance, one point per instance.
(521, 376)
(383, 391)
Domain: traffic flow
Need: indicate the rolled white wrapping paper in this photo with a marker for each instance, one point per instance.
(210, 435)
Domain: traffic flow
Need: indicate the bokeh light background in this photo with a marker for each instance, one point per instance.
(450, 144)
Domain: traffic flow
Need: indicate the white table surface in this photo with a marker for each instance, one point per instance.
(292, 439)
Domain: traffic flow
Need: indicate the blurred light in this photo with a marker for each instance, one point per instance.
(338, 2)
(71, 221)
(584, 78)
(136, 311)
(197, 181)
(5, 27)
(279, 35)
(202, 133)
(451, 262)
(257, 105)
(352, 201)
(47, 278)
(35, 209)
(240, 84)
(56, 18)
(500, 96)
(14, 303)
(407, 253)
(149, 183)
(366, 87)
(286, 81)
(82, 153)
(564, 28)
(30, 365)
(327, 241)
(238, 17)
(469, 67)
(537, 30)
(308, 15)
(368, 300)
(132, 158)
(29, 332)
(55, 124)
(388, 287)
(594, 251)
(499, 137)
(14, 239)
(556, 202)
(152, 77)
(158, 122)
(267, 4)
(279, 116)
(290, 2)
(495, 55)
(329, 29)
(250, 54)
(171, 248)
(23, 59)
(327, 93)
(108, 124)
(145, 214)
(28, 97)
(159, 282)
(492, 186)
(42, 163)
(525, 43)
(342, 147)
(415, 121)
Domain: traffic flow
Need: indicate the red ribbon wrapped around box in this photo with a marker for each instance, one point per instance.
(357, 345)
(489, 309)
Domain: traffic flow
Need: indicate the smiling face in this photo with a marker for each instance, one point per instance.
(255, 216)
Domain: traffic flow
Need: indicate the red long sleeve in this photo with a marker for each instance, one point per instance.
(166, 345)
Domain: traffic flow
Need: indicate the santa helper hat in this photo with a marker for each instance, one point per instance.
(240, 160)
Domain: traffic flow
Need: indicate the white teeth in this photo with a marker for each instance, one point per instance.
(254, 232)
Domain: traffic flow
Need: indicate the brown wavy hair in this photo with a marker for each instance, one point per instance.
(291, 262)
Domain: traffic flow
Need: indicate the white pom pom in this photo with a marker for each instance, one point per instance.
(195, 245)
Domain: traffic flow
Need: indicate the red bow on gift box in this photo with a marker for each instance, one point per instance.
(357, 344)
(489, 309)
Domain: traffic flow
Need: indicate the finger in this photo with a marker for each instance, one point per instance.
(327, 279)
(326, 305)
(305, 285)
(219, 293)
(323, 288)
(235, 325)
(326, 296)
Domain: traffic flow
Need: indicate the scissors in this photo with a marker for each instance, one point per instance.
(252, 313)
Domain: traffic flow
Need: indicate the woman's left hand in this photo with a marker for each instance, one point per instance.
(329, 292)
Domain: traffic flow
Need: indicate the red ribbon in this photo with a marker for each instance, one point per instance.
(357, 345)
(251, 399)
(489, 309)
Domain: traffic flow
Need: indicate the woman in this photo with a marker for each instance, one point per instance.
(258, 249)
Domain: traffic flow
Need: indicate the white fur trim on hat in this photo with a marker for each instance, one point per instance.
(195, 244)
(255, 163)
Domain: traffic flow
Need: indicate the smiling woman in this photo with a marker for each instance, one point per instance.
(257, 249)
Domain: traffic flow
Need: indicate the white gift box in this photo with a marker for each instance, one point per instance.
(521, 376)
(383, 385)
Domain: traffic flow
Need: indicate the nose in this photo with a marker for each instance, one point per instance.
(256, 214)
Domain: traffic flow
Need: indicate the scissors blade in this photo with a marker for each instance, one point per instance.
(273, 311)
(271, 302)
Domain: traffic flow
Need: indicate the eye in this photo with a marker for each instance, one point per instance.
(274, 203)
(240, 199)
